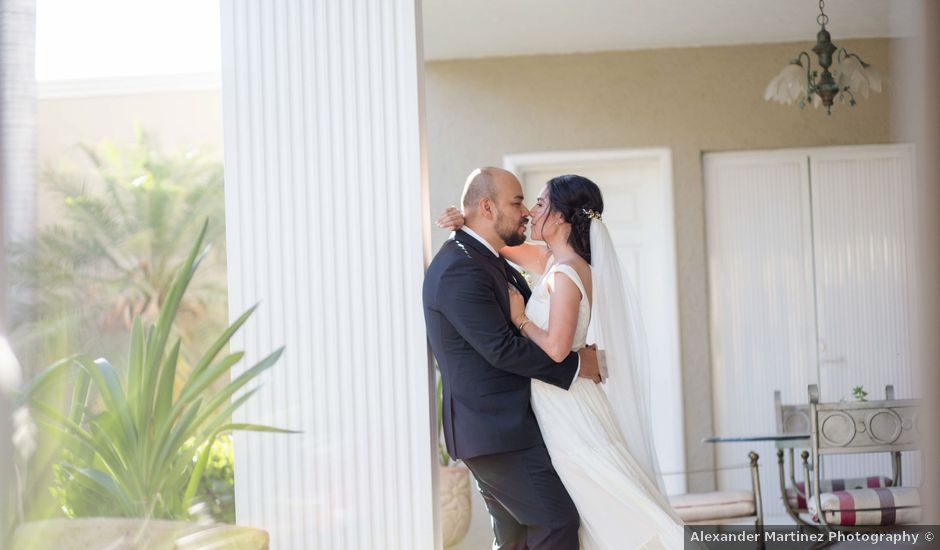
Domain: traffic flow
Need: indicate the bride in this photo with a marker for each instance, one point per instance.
(600, 442)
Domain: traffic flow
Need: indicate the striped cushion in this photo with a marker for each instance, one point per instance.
(713, 506)
(798, 501)
(879, 506)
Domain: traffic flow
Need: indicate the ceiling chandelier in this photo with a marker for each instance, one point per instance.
(850, 76)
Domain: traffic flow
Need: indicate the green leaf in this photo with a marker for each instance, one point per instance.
(78, 436)
(193, 483)
(199, 383)
(80, 394)
(166, 428)
(242, 427)
(118, 461)
(48, 374)
(217, 420)
(135, 369)
(213, 350)
(108, 385)
(180, 433)
(167, 378)
(170, 306)
(102, 484)
(228, 391)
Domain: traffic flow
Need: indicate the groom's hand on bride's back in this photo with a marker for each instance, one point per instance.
(591, 361)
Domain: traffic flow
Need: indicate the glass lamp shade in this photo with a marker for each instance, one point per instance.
(848, 73)
(788, 86)
(875, 78)
(817, 101)
(855, 77)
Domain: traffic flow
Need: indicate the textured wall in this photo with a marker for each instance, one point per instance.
(690, 100)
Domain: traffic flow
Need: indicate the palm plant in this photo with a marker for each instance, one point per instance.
(142, 450)
(113, 253)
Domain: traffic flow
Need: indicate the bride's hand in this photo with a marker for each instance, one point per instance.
(450, 218)
(516, 304)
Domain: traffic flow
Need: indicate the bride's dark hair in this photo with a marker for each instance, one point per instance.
(572, 195)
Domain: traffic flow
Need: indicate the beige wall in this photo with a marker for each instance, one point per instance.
(689, 100)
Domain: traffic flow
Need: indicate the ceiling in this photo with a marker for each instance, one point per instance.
(455, 29)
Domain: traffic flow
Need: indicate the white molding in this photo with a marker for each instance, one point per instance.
(518, 162)
(761, 155)
(128, 85)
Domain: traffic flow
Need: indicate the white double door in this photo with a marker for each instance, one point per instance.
(638, 211)
(812, 277)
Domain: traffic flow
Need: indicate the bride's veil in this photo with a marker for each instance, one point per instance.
(617, 328)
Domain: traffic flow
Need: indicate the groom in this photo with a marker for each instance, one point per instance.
(486, 366)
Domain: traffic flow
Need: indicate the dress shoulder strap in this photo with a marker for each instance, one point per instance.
(572, 274)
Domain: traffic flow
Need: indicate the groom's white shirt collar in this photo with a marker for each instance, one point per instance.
(473, 234)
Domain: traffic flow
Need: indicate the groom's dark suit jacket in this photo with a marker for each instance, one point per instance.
(485, 363)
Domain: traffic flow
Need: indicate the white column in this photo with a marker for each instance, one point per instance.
(18, 158)
(17, 180)
(326, 202)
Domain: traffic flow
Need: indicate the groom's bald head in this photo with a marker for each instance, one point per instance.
(493, 206)
(483, 183)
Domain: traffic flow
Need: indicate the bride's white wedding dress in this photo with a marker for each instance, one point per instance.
(620, 506)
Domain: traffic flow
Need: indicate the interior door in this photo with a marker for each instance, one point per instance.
(863, 226)
(811, 278)
(638, 211)
(763, 336)
(864, 252)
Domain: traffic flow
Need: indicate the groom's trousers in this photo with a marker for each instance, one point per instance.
(530, 507)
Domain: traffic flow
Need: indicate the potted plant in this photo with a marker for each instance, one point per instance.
(135, 446)
(859, 393)
(454, 487)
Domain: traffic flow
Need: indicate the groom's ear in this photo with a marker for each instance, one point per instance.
(488, 208)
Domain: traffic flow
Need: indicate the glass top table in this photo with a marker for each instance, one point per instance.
(781, 440)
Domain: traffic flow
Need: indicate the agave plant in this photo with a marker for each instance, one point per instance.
(140, 448)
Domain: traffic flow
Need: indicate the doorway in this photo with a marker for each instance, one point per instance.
(638, 211)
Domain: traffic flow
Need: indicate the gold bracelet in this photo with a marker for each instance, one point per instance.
(523, 324)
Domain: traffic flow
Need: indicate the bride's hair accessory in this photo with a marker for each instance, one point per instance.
(591, 214)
